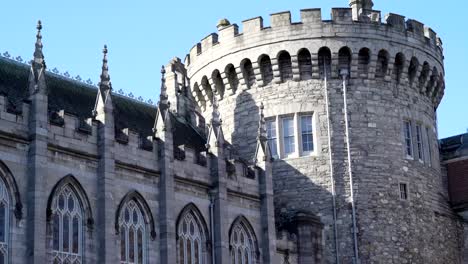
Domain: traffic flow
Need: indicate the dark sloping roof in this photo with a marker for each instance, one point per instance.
(454, 147)
(74, 97)
(186, 134)
(78, 99)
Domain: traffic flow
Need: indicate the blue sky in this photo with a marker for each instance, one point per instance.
(142, 35)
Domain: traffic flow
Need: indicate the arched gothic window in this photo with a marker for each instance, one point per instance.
(67, 227)
(243, 245)
(191, 238)
(133, 232)
(4, 222)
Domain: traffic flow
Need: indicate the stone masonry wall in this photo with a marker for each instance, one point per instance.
(420, 229)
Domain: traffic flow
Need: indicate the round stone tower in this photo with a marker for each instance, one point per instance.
(350, 106)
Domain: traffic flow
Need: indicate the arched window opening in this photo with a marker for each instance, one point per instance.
(432, 82)
(133, 234)
(424, 74)
(191, 237)
(67, 226)
(4, 222)
(266, 69)
(197, 94)
(218, 82)
(398, 66)
(413, 69)
(285, 66)
(344, 59)
(207, 89)
(439, 86)
(324, 61)
(232, 77)
(382, 64)
(248, 73)
(363, 61)
(243, 243)
(305, 64)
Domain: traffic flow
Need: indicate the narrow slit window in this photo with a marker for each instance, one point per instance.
(429, 150)
(307, 134)
(288, 135)
(408, 139)
(420, 142)
(272, 137)
(403, 191)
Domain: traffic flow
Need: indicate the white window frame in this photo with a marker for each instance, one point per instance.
(410, 138)
(294, 135)
(299, 132)
(276, 138)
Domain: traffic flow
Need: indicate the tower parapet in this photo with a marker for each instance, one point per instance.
(217, 52)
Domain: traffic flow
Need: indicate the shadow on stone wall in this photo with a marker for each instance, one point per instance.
(299, 186)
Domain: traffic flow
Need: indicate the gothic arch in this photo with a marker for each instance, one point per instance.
(192, 207)
(144, 207)
(79, 191)
(191, 212)
(11, 185)
(245, 224)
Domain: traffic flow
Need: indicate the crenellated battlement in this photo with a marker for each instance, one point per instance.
(311, 25)
(14, 117)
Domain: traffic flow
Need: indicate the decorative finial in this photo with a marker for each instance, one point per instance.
(262, 134)
(38, 61)
(103, 99)
(105, 78)
(163, 97)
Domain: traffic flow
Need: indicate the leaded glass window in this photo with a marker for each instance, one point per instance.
(132, 229)
(191, 240)
(242, 244)
(4, 222)
(67, 227)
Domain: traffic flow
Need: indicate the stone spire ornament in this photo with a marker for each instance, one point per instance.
(215, 134)
(216, 116)
(38, 65)
(163, 97)
(262, 133)
(38, 60)
(103, 99)
(262, 152)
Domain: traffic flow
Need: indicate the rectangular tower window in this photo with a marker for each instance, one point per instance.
(403, 191)
(419, 142)
(307, 134)
(408, 139)
(288, 135)
(429, 150)
(271, 137)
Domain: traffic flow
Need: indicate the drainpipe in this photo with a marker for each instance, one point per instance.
(332, 176)
(212, 227)
(344, 74)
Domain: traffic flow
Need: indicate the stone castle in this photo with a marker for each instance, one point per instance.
(298, 143)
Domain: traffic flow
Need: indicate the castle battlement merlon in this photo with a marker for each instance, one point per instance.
(312, 19)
